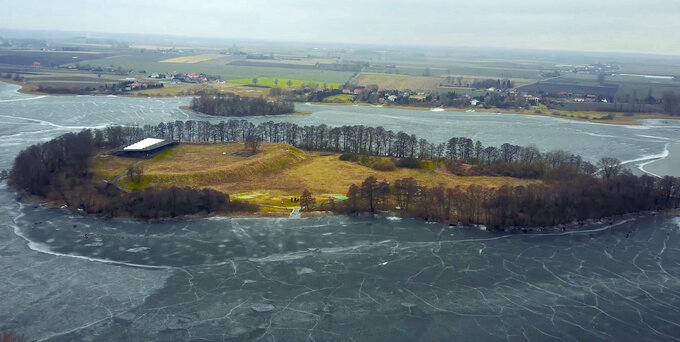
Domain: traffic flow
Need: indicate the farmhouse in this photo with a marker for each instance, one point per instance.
(145, 148)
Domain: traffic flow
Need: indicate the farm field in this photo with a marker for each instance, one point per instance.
(275, 174)
(633, 86)
(151, 62)
(401, 82)
(283, 83)
(47, 58)
(194, 59)
(190, 89)
(62, 79)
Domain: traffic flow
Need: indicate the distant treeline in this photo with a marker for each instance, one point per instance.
(490, 83)
(58, 171)
(578, 198)
(671, 103)
(234, 105)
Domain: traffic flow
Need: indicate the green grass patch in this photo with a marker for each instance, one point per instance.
(131, 185)
(344, 98)
(163, 155)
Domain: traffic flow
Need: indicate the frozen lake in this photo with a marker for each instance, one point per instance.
(69, 278)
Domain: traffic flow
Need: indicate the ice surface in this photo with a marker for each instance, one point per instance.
(331, 278)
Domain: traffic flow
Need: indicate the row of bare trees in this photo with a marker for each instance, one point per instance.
(582, 198)
(360, 140)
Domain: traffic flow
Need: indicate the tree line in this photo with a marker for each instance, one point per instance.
(671, 103)
(539, 205)
(461, 155)
(58, 171)
(234, 105)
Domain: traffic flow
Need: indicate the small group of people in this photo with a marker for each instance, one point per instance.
(295, 199)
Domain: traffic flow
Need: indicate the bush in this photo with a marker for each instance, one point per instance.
(409, 163)
(349, 157)
(383, 164)
(427, 165)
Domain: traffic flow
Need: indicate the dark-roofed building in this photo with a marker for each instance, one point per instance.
(145, 148)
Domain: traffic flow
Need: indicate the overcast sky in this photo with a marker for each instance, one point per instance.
(651, 26)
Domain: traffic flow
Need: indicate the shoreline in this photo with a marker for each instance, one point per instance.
(619, 117)
(664, 164)
(295, 113)
(559, 229)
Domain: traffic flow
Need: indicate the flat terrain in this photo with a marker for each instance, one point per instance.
(400, 82)
(283, 83)
(211, 64)
(189, 89)
(427, 83)
(60, 78)
(270, 177)
(194, 59)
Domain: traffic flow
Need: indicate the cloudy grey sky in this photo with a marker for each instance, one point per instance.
(651, 26)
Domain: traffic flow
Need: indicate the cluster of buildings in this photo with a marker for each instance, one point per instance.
(182, 77)
(594, 69)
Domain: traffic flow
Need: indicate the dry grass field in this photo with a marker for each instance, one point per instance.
(400, 82)
(270, 177)
(291, 61)
(107, 167)
(186, 89)
(194, 59)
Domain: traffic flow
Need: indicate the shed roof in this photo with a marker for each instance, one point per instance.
(143, 144)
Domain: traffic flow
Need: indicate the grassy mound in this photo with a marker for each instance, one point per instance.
(274, 175)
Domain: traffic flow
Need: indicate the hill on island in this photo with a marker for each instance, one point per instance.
(270, 177)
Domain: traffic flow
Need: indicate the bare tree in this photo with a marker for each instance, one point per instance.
(253, 142)
(135, 173)
(307, 202)
(609, 167)
(369, 191)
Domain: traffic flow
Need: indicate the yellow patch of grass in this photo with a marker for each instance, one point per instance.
(194, 59)
(328, 174)
(276, 174)
(186, 89)
(401, 82)
(339, 99)
(202, 165)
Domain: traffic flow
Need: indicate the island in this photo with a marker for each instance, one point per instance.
(227, 104)
(235, 168)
